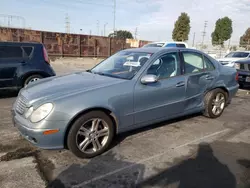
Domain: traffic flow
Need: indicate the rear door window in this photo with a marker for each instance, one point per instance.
(27, 50)
(208, 65)
(10, 52)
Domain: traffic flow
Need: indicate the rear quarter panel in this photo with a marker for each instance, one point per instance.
(227, 79)
(35, 64)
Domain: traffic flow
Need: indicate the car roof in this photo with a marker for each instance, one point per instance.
(244, 61)
(240, 51)
(19, 43)
(159, 49)
(177, 42)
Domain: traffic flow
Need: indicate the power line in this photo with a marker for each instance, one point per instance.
(11, 18)
(97, 25)
(104, 29)
(193, 39)
(67, 24)
(136, 33)
(204, 32)
(114, 16)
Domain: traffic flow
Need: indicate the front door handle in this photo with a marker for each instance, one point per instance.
(208, 77)
(180, 84)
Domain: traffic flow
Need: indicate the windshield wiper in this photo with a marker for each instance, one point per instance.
(109, 75)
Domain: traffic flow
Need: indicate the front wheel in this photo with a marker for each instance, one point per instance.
(215, 102)
(90, 135)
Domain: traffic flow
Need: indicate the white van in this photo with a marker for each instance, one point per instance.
(167, 44)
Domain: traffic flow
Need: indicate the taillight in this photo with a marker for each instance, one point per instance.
(237, 76)
(45, 55)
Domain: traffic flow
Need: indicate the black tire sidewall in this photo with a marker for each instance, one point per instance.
(71, 137)
(213, 95)
(26, 81)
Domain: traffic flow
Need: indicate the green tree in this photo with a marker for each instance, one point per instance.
(245, 40)
(121, 34)
(222, 32)
(181, 28)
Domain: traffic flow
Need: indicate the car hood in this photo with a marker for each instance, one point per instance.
(230, 59)
(59, 86)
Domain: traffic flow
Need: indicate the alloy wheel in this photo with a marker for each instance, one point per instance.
(218, 104)
(92, 136)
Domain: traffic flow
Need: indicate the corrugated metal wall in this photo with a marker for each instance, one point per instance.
(67, 45)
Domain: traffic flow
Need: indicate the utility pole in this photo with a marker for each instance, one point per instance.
(67, 24)
(229, 43)
(204, 33)
(193, 39)
(104, 28)
(114, 17)
(136, 33)
(97, 27)
(90, 32)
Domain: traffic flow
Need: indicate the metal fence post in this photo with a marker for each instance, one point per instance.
(79, 45)
(62, 50)
(110, 46)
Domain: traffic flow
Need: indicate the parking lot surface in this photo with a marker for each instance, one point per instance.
(192, 151)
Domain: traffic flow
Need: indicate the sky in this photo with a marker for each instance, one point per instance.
(154, 19)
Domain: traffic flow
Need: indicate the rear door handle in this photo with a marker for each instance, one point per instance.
(208, 77)
(180, 84)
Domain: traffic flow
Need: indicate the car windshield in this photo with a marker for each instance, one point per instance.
(124, 64)
(154, 45)
(238, 54)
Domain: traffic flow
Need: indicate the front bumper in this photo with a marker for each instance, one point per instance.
(36, 136)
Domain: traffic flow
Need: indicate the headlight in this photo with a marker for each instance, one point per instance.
(237, 65)
(28, 112)
(41, 112)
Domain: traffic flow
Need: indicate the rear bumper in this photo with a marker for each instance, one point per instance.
(232, 92)
(244, 77)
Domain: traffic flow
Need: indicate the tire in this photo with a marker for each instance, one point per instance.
(32, 77)
(74, 138)
(208, 102)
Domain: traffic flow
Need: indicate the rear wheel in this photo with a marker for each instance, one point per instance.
(90, 135)
(215, 102)
(32, 78)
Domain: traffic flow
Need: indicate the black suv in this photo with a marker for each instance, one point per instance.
(243, 68)
(22, 63)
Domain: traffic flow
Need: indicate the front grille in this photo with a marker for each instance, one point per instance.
(21, 105)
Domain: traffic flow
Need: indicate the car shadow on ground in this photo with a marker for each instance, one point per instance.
(8, 94)
(218, 165)
(121, 137)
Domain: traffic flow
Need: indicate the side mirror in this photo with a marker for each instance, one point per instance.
(150, 78)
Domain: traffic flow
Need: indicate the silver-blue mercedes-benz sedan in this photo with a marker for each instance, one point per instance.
(133, 88)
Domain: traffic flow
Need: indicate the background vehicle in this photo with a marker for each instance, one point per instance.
(83, 111)
(167, 44)
(243, 68)
(230, 58)
(22, 63)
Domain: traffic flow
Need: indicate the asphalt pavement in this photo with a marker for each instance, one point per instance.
(192, 151)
